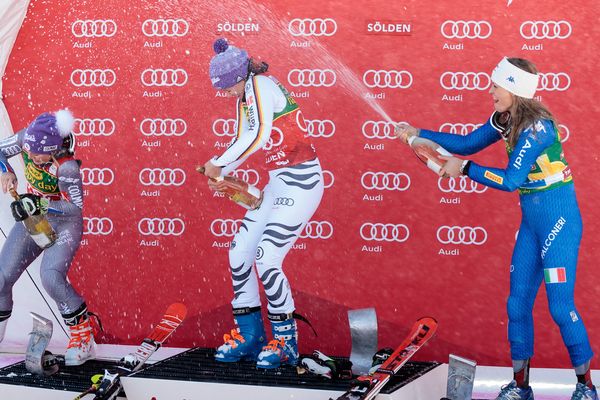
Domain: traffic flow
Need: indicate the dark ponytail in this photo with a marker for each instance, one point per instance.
(257, 67)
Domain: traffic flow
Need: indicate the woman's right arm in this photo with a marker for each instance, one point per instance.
(468, 144)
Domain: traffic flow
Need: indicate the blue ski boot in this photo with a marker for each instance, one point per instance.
(513, 392)
(583, 392)
(245, 342)
(283, 349)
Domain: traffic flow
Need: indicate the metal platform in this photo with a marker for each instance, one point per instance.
(16, 383)
(195, 374)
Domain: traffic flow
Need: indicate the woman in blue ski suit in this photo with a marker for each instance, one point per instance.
(548, 241)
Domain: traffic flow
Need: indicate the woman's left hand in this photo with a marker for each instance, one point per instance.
(452, 167)
(211, 170)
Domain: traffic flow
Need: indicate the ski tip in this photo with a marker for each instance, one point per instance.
(427, 319)
(39, 318)
(177, 309)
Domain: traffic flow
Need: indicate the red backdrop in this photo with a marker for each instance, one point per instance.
(135, 74)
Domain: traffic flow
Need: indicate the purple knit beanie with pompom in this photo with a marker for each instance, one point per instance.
(228, 66)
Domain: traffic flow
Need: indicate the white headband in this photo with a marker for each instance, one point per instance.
(512, 78)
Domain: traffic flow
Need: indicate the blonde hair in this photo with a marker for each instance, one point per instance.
(525, 112)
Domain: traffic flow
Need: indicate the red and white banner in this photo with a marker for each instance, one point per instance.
(388, 234)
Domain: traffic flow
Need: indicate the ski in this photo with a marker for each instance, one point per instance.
(36, 356)
(366, 387)
(109, 387)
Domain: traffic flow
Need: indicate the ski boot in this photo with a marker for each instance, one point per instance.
(82, 346)
(583, 392)
(4, 315)
(245, 342)
(283, 349)
(513, 392)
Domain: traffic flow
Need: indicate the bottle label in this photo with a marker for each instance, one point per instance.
(254, 191)
(41, 240)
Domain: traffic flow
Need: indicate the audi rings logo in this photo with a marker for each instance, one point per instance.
(384, 232)
(275, 139)
(546, 29)
(328, 179)
(97, 226)
(94, 28)
(250, 176)
(459, 129)
(466, 29)
(97, 176)
(320, 128)
(161, 226)
(162, 176)
(462, 184)
(465, 80)
(165, 27)
(385, 181)
(312, 27)
(461, 235)
(387, 79)
(224, 127)
(283, 201)
(552, 81)
(379, 129)
(164, 77)
(94, 127)
(93, 77)
(225, 227)
(312, 77)
(564, 132)
(317, 230)
(163, 127)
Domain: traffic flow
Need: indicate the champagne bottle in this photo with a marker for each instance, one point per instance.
(38, 227)
(238, 190)
(428, 152)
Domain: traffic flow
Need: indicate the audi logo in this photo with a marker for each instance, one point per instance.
(94, 127)
(283, 201)
(465, 80)
(545, 29)
(462, 184)
(466, 29)
(97, 226)
(385, 181)
(97, 176)
(379, 129)
(12, 150)
(163, 127)
(328, 179)
(459, 129)
(320, 128)
(164, 77)
(224, 127)
(93, 77)
(564, 132)
(551, 81)
(275, 139)
(250, 176)
(312, 77)
(461, 235)
(94, 28)
(225, 227)
(162, 176)
(380, 232)
(161, 226)
(312, 27)
(317, 230)
(165, 27)
(387, 79)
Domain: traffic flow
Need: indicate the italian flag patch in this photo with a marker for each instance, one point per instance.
(555, 275)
